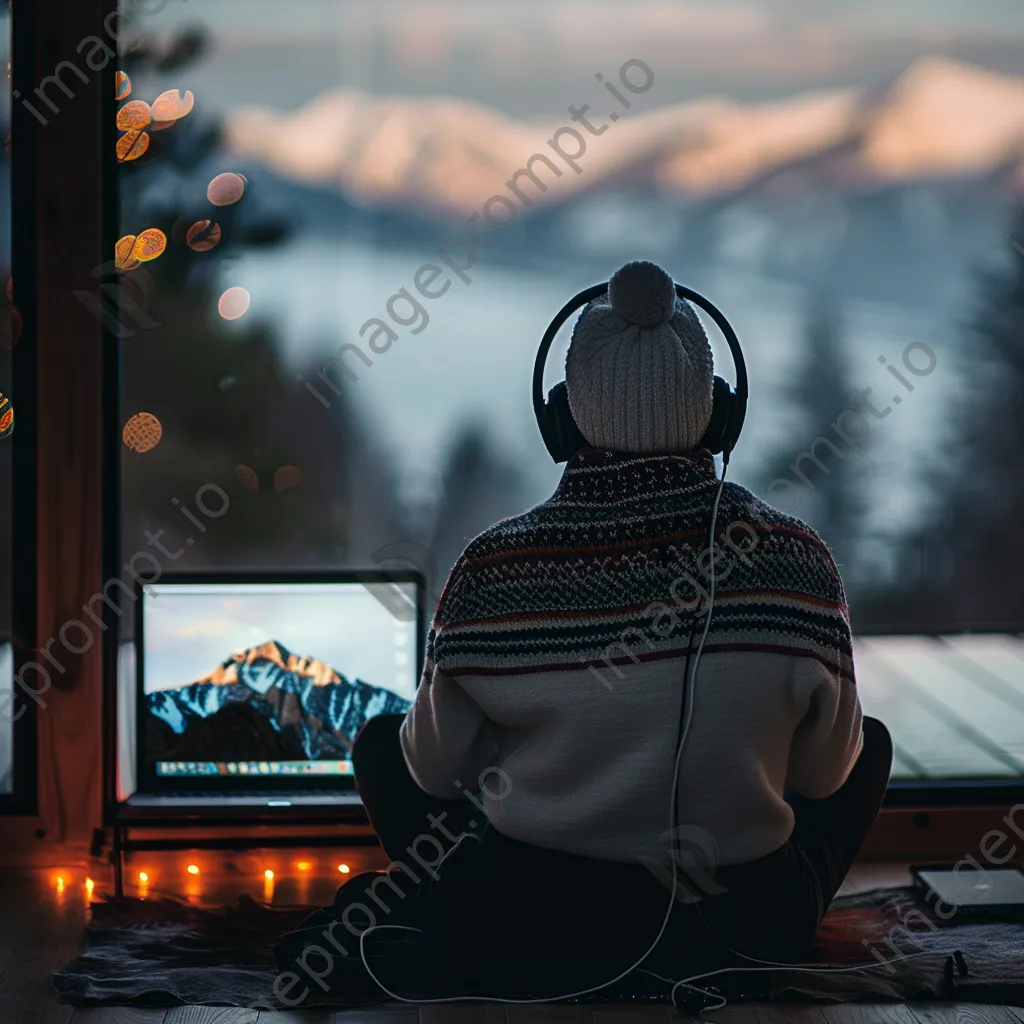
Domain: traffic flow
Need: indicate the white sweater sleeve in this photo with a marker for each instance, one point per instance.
(830, 733)
(446, 738)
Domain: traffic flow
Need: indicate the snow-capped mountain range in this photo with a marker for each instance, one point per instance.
(294, 691)
(940, 120)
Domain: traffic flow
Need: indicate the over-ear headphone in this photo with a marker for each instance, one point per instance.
(562, 437)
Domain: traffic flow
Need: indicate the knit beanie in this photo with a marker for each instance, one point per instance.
(639, 368)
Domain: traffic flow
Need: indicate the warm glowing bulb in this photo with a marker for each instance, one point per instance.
(193, 869)
(143, 877)
(89, 883)
(268, 875)
(303, 865)
(60, 883)
(344, 869)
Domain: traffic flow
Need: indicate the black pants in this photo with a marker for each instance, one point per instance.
(514, 918)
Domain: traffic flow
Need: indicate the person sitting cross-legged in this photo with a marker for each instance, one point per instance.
(561, 673)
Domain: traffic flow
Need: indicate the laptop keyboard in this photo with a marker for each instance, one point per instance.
(256, 794)
(316, 798)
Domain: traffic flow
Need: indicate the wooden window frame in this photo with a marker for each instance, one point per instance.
(22, 800)
(62, 185)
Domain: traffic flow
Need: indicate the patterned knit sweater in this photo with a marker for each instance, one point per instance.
(556, 661)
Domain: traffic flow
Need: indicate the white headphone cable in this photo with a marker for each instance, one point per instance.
(675, 791)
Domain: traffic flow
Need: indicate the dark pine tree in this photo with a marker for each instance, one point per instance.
(833, 500)
(479, 486)
(974, 545)
(304, 480)
(961, 569)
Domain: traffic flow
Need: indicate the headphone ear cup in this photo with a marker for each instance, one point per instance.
(560, 433)
(723, 400)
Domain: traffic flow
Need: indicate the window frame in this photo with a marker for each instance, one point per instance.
(905, 802)
(24, 796)
(58, 511)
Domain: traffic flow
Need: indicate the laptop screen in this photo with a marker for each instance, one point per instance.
(270, 680)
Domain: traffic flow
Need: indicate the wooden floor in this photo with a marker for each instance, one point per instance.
(41, 929)
(905, 1013)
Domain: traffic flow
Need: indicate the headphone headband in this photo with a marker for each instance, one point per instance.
(739, 410)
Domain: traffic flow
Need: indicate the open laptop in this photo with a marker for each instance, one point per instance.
(250, 690)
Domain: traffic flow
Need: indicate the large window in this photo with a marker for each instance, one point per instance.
(345, 224)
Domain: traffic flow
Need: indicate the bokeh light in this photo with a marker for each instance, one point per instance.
(123, 251)
(132, 145)
(6, 417)
(172, 105)
(233, 303)
(193, 869)
(203, 235)
(344, 869)
(285, 477)
(246, 476)
(122, 86)
(142, 432)
(148, 245)
(134, 115)
(268, 875)
(226, 189)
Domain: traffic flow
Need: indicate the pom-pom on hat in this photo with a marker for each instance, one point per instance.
(639, 369)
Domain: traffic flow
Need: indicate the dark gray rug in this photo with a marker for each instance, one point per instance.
(163, 953)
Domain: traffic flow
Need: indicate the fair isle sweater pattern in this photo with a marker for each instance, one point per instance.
(614, 568)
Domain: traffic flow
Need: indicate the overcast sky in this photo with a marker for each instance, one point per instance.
(529, 57)
(299, 17)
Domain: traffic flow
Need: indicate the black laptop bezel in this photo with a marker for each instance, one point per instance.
(149, 782)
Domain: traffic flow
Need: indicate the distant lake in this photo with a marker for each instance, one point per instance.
(475, 358)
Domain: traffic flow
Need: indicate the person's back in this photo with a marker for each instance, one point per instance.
(560, 648)
(588, 655)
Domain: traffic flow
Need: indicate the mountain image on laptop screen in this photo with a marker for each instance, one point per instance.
(264, 703)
